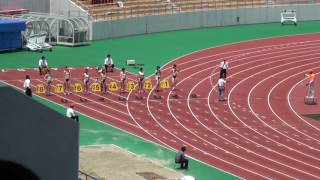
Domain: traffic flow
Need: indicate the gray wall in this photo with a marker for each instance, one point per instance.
(142, 25)
(67, 8)
(37, 137)
(42, 6)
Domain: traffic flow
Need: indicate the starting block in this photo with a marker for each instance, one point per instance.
(63, 100)
(157, 97)
(122, 99)
(83, 100)
(175, 96)
(310, 100)
(194, 95)
(102, 99)
(139, 97)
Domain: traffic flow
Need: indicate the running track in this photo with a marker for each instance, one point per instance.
(258, 133)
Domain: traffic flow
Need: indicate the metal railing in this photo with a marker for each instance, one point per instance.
(85, 176)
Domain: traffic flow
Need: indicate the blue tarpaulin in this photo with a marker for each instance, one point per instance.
(10, 34)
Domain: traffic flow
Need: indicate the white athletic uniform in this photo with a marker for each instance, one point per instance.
(103, 77)
(86, 78)
(123, 76)
(43, 63)
(174, 73)
(141, 75)
(67, 75)
(48, 78)
(158, 74)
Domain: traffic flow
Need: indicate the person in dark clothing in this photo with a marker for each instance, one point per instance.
(181, 158)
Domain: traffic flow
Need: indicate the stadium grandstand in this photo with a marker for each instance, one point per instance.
(106, 10)
(159, 89)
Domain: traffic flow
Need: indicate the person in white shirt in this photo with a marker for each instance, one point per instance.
(71, 113)
(158, 78)
(48, 78)
(123, 77)
(224, 65)
(221, 88)
(108, 63)
(43, 65)
(140, 82)
(27, 86)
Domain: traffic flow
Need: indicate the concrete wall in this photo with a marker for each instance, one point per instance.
(42, 6)
(37, 137)
(178, 21)
(67, 8)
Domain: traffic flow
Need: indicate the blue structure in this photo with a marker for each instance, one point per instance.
(10, 34)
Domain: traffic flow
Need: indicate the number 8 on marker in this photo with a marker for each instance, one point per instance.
(40, 89)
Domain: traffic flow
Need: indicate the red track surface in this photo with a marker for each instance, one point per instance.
(258, 133)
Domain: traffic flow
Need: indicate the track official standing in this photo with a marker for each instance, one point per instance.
(71, 114)
(223, 69)
(108, 63)
(27, 86)
(221, 88)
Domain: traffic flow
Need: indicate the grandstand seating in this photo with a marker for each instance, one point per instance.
(109, 9)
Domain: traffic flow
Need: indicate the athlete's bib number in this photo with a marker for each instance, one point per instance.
(95, 87)
(147, 84)
(40, 89)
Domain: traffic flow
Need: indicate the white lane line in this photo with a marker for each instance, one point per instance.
(292, 109)
(269, 104)
(74, 102)
(250, 92)
(267, 48)
(189, 96)
(150, 113)
(239, 118)
(208, 98)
